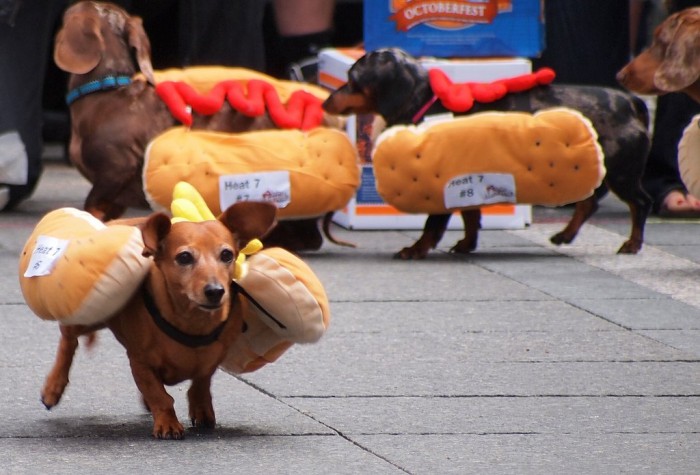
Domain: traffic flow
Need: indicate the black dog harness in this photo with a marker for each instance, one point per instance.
(196, 341)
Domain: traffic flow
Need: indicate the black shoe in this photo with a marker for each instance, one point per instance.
(305, 70)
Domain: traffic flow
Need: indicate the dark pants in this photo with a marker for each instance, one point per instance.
(673, 114)
(203, 32)
(25, 48)
(587, 41)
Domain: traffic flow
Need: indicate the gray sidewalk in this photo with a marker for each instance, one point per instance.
(521, 358)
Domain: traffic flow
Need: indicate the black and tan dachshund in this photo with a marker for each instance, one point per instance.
(393, 84)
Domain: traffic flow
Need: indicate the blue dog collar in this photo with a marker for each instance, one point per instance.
(108, 82)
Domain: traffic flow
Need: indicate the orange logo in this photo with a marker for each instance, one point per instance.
(446, 14)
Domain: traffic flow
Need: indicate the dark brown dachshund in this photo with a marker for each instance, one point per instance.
(114, 117)
(395, 85)
(181, 324)
(672, 62)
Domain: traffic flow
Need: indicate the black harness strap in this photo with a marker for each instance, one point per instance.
(195, 341)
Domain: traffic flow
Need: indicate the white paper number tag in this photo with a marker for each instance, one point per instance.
(45, 255)
(265, 186)
(479, 189)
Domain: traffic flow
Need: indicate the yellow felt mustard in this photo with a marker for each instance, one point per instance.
(290, 304)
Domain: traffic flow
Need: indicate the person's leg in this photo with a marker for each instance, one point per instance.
(25, 43)
(661, 178)
(304, 27)
(222, 32)
(597, 31)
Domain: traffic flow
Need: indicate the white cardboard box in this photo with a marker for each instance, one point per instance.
(367, 210)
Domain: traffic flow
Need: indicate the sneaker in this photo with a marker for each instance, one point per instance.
(305, 70)
(4, 196)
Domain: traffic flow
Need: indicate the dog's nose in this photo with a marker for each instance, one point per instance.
(214, 292)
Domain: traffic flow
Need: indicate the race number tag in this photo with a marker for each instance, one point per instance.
(265, 186)
(479, 189)
(45, 256)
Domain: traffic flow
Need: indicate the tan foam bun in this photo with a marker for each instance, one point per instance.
(96, 275)
(553, 156)
(689, 156)
(322, 164)
(286, 287)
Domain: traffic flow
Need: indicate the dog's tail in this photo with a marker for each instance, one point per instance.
(327, 218)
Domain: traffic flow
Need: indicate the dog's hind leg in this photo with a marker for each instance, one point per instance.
(201, 407)
(57, 379)
(472, 224)
(639, 204)
(433, 231)
(584, 209)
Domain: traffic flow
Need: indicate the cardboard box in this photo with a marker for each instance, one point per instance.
(367, 210)
(456, 28)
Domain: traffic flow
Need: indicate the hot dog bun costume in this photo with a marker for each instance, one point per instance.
(77, 271)
(548, 158)
(689, 156)
(322, 164)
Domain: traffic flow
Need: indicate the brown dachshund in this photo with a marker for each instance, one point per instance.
(113, 117)
(180, 325)
(391, 83)
(672, 62)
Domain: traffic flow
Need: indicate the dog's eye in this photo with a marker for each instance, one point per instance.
(184, 258)
(227, 256)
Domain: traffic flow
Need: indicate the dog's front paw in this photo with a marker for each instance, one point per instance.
(465, 246)
(202, 417)
(411, 253)
(168, 428)
(630, 247)
(561, 238)
(51, 393)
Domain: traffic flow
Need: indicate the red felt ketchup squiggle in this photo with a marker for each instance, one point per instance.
(461, 97)
(251, 98)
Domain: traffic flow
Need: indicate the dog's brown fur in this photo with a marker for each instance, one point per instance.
(193, 265)
(672, 62)
(111, 129)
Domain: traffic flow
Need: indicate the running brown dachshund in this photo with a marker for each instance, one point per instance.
(181, 324)
(393, 84)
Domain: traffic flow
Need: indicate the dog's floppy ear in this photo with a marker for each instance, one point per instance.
(137, 39)
(79, 44)
(153, 231)
(249, 219)
(681, 65)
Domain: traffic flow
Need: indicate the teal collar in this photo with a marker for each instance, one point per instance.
(106, 83)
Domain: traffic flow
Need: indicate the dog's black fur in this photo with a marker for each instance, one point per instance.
(391, 83)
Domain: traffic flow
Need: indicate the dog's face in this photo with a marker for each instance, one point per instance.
(382, 81)
(197, 259)
(672, 62)
(96, 34)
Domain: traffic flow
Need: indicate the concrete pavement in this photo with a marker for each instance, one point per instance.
(521, 358)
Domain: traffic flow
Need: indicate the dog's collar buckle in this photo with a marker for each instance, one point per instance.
(106, 83)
